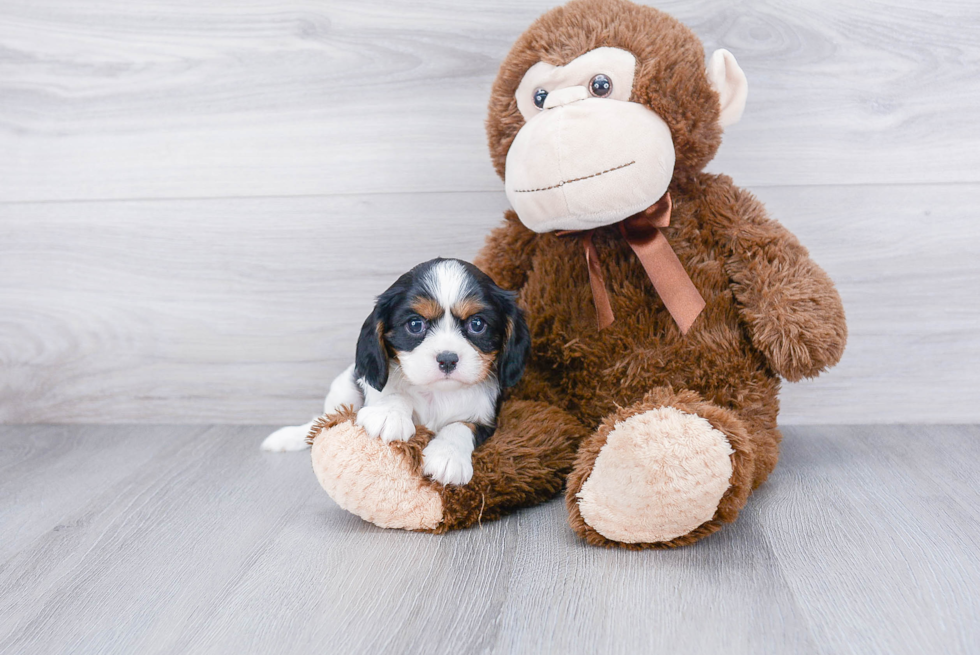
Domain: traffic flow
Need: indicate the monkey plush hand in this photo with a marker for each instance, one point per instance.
(664, 304)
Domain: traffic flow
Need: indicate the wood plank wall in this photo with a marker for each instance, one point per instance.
(199, 200)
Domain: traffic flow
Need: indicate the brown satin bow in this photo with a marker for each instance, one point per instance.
(642, 232)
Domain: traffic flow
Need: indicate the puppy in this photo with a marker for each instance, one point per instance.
(441, 345)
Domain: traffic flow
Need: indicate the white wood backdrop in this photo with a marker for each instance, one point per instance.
(199, 200)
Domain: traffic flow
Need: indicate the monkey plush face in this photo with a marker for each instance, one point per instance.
(586, 155)
(602, 109)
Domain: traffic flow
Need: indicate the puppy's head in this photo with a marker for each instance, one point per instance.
(447, 325)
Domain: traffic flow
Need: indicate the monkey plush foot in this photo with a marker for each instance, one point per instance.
(379, 482)
(524, 463)
(659, 476)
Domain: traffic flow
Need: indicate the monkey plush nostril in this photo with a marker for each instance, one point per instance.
(447, 361)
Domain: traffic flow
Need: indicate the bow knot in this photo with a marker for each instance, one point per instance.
(643, 234)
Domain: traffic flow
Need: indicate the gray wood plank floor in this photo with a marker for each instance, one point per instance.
(123, 539)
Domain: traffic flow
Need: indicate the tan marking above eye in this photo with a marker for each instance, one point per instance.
(427, 308)
(467, 307)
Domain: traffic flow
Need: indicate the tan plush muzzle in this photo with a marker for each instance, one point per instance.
(568, 170)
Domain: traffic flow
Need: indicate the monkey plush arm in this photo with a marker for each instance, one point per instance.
(792, 310)
(507, 253)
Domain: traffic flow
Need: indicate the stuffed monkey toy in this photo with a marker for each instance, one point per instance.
(664, 305)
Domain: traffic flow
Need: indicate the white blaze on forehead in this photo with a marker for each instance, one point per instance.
(448, 282)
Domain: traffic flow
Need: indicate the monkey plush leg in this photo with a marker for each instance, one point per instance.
(664, 472)
(524, 463)
(379, 482)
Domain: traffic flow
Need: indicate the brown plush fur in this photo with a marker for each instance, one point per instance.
(770, 311)
(742, 482)
(510, 470)
(669, 77)
(524, 463)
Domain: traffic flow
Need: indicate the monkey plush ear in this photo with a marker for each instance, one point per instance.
(728, 80)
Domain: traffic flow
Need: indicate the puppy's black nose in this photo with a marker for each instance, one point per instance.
(447, 361)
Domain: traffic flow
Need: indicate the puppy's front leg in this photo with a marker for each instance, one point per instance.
(449, 456)
(388, 417)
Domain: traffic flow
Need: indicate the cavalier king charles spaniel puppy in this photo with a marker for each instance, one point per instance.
(438, 349)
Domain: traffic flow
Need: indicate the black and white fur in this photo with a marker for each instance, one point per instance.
(437, 350)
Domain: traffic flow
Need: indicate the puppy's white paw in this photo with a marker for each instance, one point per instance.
(291, 437)
(447, 462)
(391, 424)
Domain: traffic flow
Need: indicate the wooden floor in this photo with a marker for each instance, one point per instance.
(129, 539)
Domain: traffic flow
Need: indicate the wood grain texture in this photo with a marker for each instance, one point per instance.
(198, 201)
(864, 540)
(114, 99)
(243, 310)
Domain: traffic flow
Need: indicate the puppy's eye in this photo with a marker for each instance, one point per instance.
(600, 86)
(476, 325)
(539, 97)
(415, 325)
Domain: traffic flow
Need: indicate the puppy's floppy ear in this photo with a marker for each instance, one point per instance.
(517, 341)
(371, 359)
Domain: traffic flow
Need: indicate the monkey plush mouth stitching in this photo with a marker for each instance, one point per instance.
(577, 179)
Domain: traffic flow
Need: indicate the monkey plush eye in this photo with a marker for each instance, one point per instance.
(600, 86)
(539, 98)
(476, 325)
(415, 325)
